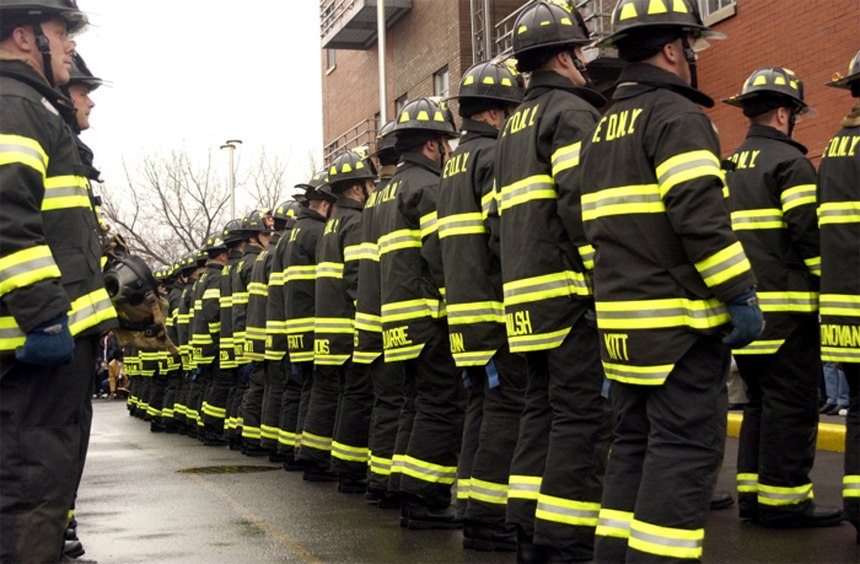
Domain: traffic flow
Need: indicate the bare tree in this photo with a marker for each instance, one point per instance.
(269, 181)
(168, 207)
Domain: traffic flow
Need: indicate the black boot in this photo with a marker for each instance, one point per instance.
(421, 516)
(529, 552)
(812, 516)
(73, 549)
(351, 485)
(315, 473)
(721, 499)
(488, 537)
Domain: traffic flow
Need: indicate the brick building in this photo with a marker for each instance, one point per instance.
(430, 43)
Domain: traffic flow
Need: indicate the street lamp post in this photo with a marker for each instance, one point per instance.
(231, 145)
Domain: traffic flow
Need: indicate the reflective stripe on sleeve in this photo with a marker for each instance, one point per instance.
(26, 267)
(62, 192)
(565, 157)
(399, 240)
(300, 272)
(796, 196)
(538, 187)
(814, 265)
(724, 265)
(428, 224)
(471, 223)
(330, 270)
(16, 149)
(767, 218)
(799, 302)
(685, 167)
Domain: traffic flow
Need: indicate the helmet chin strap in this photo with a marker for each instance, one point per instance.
(44, 47)
(583, 70)
(690, 56)
(792, 121)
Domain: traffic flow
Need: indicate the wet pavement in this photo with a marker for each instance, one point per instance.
(165, 498)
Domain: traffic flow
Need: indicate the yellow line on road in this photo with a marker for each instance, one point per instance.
(830, 436)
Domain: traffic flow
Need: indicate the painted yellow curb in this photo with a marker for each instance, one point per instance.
(830, 436)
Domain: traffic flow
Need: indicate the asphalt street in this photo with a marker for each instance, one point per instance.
(166, 498)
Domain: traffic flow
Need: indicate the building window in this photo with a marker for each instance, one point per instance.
(440, 82)
(399, 103)
(714, 11)
(330, 60)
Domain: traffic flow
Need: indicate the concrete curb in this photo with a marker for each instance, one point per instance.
(830, 436)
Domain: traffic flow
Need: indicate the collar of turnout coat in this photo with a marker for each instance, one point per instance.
(638, 78)
(853, 118)
(544, 80)
(472, 129)
(414, 158)
(13, 66)
(767, 132)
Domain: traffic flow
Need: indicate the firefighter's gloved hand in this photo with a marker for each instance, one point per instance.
(49, 344)
(246, 372)
(195, 374)
(747, 319)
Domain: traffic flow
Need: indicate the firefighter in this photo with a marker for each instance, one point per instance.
(196, 263)
(488, 94)
(54, 303)
(553, 497)
(158, 381)
(386, 378)
(288, 429)
(284, 217)
(414, 333)
(249, 328)
(773, 210)
(299, 295)
(205, 338)
(224, 378)
(174, 377)
(338, 417)
(839, 202)
(670, 275)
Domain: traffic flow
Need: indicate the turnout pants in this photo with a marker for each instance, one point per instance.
(252, 404)
(43, 434)
(780, 426)
(289, 409)
(387, 381)
(349, 450)
(489, 438)
(322, 410)
(851, 480)
(215, 401)
(665, 453)
(272, 394)
(168, 411)
(155, 402)
(556, 474)
(424, 464)
(233, 425)
(306, 371)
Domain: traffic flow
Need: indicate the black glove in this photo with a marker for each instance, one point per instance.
(747, 319)
(49, 344)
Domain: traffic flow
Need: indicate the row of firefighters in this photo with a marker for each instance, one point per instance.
(497, 316)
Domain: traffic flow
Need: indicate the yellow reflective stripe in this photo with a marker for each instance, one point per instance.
(428, 224)
(470, 223)
(212, 294)
(362, 251)
(814, 265)
(400, 239)
(487, 202)
(661, 313)
(26, 267)
(215, 327)
(539, 288)
(426, 471)
(67, 191)
(225, 301)
(724, 265)
(380, 465)
(538, 187)
(240, 298)
(349, 453)
(488, 492)
(747, 482)
(804, 302)
(840, 304)
(779, 495)
(330, 270)
(464, 486)
(565, 157)
(364, 357)
(302, 356)
(330, 359)
(254, 289)
(614, 523)
(11, 336)
(250, 432)
(524, 487)
(89, 310)
(653, 375)
(287, 437)
(476, 312)
(16, 149)
(269, 432)
(767, 218)
(797, 196)
(537, 341)
(300, 272)
(622, 200)
(275, 327)
(763, 346)
(214, 411)
(851, 486)
(685, 167)
(666, 541)
(276, 279)
(316, 441)
(472, 358)
(368, 322)
(838, 212)
(567, 511)
(413, 309)
(403, 353)
(300, 325)
(334, 325)
(586, 253)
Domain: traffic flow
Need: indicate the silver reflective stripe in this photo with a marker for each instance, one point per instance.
(533, 488)
(90, 310)
(835, 213)
(537, 340)
(64, 191)
(488, 492)
(614, 200)
(11, 333)
(799, 496)
(614, 523)
(686, 166)
(449, 225)
(316, 443)
(324, 325)
(427, 471)
(569, 511)
(572, 154)
(663, 541)
(12, 148)
(634, 374)
(385, 244)
(831, 303)
(21, 268)
(528, 188)
(668, 312)
(554, 285)
(724, 265)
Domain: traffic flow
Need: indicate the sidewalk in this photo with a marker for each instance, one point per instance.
(831, 430)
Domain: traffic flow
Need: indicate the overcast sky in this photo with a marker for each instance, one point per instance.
(193, 73)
